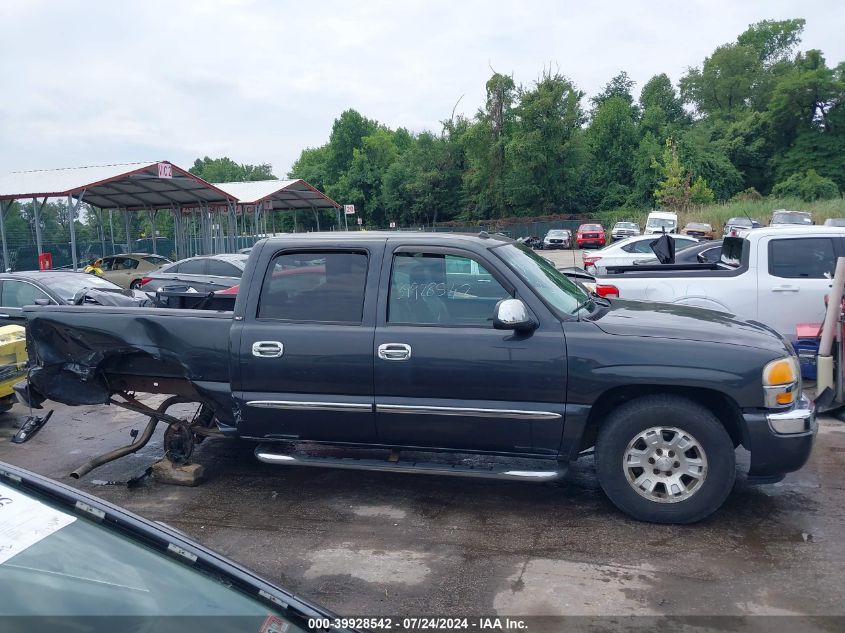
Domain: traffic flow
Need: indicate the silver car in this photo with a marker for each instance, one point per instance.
(557, 238)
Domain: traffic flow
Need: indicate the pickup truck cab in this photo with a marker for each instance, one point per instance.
(451, 344)
(778, 276)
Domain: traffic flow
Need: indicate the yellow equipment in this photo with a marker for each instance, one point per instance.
(13, 362)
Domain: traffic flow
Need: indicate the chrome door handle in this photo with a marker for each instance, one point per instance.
(394, 351)
(785, 289)
(267, 349)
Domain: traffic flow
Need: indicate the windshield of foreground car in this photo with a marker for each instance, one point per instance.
(66, 286)
(66, 565)
(558, 291)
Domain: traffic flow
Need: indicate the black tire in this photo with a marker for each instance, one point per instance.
(621, 428)
(135, 285)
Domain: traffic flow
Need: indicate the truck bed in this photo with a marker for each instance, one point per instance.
(87, 353)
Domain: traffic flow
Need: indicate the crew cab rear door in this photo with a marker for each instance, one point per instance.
(305, 349)
(444, 378)
(794, 274)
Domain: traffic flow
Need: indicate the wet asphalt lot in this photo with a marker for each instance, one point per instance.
(379, 543)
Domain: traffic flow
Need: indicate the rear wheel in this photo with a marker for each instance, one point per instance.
(135, 285)
(665, 459)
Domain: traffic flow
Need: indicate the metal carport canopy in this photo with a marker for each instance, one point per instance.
(284, 195)
(130, 186)
(127, 186)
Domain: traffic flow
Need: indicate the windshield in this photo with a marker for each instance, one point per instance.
(558, 232)
(57, 563)
(739, 222)
(66, 286)
(590, 227)
(625, 225)
(156, 260)
(558, 291)
(661, 223)
(791, 218)
(700, 226)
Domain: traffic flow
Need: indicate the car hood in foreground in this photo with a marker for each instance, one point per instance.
(663, 320)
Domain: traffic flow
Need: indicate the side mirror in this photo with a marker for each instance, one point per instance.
(513, 314)
(42, 302)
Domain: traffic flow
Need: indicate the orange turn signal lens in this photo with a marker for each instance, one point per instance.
(780, 372)
(785, 398)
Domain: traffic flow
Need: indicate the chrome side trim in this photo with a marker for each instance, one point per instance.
(299, 405)
(516, 414)
(267, 455)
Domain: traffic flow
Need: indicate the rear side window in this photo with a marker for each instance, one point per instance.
(315, 286)
(802, 258)
(223, 269)
(192, 267)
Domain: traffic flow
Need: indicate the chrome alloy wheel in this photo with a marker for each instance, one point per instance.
(665, 464)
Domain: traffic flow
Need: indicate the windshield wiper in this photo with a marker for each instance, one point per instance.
(582, 304)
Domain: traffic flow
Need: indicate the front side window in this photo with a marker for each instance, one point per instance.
(441, 289)
(807, 258)
(17, 294)
(315, 286)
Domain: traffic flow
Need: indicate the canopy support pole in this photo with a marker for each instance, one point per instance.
(128, 237)
(177, 230)
(72, 209)
(152, 214)
(4, 208)
(111, 231)
(36, 212)
(316, 217)
(102, 227)
(233, 227)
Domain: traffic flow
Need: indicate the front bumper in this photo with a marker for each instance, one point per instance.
(593, 241)
(780, 442)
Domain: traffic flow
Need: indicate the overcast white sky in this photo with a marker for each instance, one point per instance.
(97, 81)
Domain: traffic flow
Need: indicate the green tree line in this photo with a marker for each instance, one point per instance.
(757, 117)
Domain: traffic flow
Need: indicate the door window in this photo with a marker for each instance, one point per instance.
(438, 289)
(315, 286)
(17, 294)
(802, 258)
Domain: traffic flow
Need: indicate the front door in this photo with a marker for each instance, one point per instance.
(794, 274)
(305, 348)
(444, 378)
(14, 295)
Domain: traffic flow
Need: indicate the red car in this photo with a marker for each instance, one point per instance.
(590, 235)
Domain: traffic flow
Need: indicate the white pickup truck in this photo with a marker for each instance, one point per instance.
(778, 276)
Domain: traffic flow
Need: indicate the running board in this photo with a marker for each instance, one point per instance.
(271, 455)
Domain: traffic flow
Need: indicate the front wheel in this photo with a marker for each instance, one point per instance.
(665, 459)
